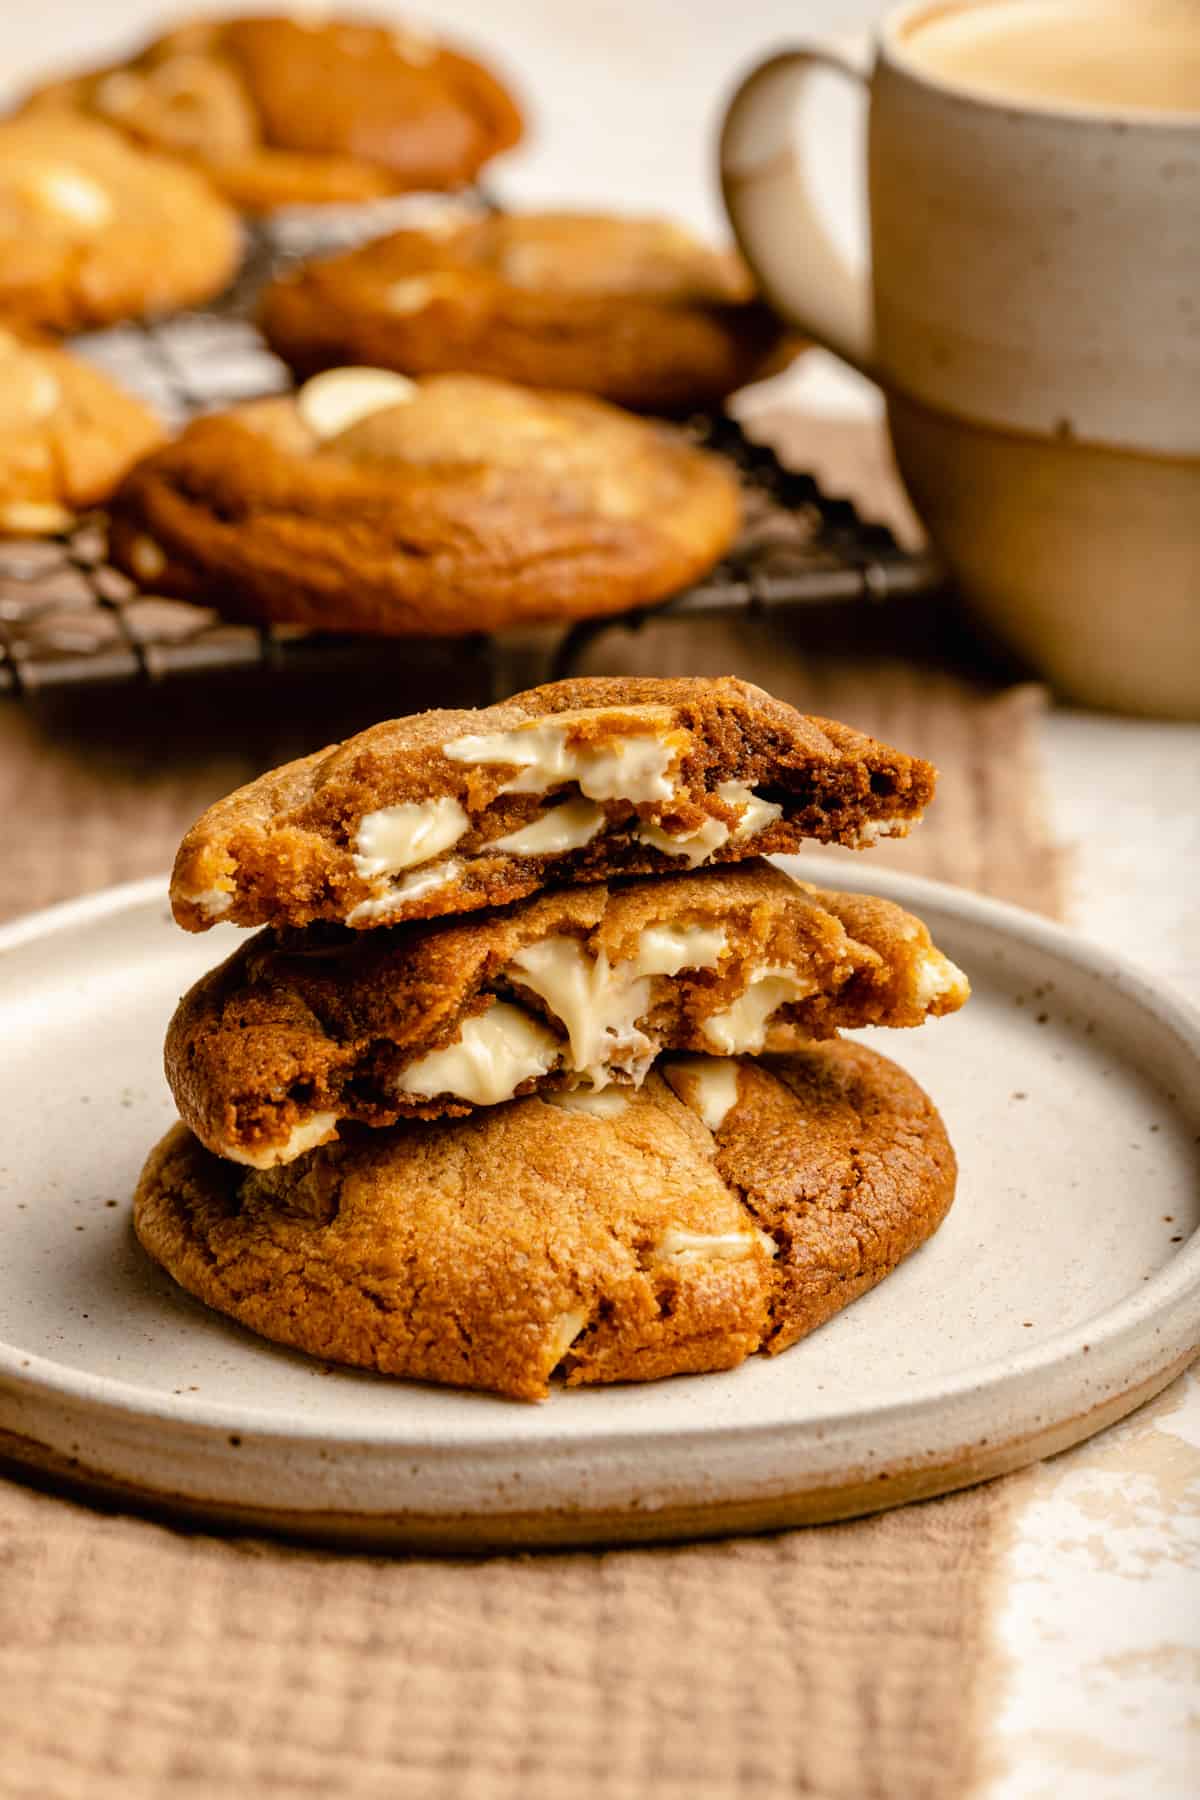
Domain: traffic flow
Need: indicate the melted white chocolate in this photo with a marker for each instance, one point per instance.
(632, 765)
(742, 1027)
(695, 845)
(330, 403)
(935, 976)
(320, 1128)
(598, 1003)
(679, 1246)
(396, 896)
(665, 949)
(757, 813)
(494, 1053)
(566, 827)
(397, 837)
(708, 1084)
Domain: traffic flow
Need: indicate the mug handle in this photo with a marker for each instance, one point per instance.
(799, 268)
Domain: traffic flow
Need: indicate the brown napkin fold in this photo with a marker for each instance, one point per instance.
(838, 1662)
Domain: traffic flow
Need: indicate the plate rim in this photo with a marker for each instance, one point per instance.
(1163, 1294)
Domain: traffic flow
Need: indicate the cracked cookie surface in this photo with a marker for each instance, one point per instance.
(294, 111)
(287, 1041)
(93, 230)
(67, 435)
(635, 310)
(576, 781)
(693, 1222)
(452, 505)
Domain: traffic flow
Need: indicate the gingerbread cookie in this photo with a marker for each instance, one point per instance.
(454, 505)
(67, 435)
(274, 1051)
(577, 781)
(618, 1237)
(634, 310)
(289, 111)
(93, 230)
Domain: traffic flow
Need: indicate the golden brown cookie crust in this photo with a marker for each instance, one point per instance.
(492, 1252)
(636, 311)
(281, 112)
(470, 506)
(93, 230)
(287, 1040)
(284, 849)
(67, 435)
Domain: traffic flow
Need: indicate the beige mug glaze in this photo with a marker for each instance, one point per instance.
(1033, 315)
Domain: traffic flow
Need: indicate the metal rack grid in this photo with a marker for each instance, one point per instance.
(66, 617)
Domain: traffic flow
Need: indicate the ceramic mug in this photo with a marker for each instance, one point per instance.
(1032, 314)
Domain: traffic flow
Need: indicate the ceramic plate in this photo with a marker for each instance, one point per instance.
(1062, 1291)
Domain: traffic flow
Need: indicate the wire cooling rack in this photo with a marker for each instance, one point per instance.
(66, 617)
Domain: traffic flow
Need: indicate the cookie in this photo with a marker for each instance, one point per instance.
(618, 1237)
(577, 781)
(93, 230)
(274, 1051)
(634, 310)
(454, 505)
(286, 112)
(67, 435)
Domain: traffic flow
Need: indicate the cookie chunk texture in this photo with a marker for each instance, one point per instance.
(437, 508)
(577, 781)
(67, 435)
(579, 991)
(300, 111)
(93, 230)
(635, 310)
(672, 1230)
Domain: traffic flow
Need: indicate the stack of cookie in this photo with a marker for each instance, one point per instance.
(534, 1068)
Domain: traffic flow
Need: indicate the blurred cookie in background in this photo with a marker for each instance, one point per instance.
(637, 311)
(368, 502)
(93, 230)
(282, 111)
(67, 436)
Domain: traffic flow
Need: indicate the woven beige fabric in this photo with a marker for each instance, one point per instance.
(838, 1663)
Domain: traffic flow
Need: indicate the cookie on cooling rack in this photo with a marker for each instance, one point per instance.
(577, 781)
(67, 435)
(652, 1233)
(635, 310)
(292, 111)
(366, 502)
(289, 1040)
(93, 230)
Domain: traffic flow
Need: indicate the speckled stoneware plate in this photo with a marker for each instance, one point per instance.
(1063, 1290)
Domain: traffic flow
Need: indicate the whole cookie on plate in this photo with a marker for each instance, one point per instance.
(670, 1232)
(93, 230)
(288, 1040)
(67, 435)
(635, 310)
(577, 781)
(298, 111)
(366, 502)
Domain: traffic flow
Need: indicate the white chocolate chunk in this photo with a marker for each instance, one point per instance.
(213, 902)
(146, 558)
(874, 829)
(679, 1246)
(632, 766)
(495, 1052)
(665, 949)
(397, 894)
(599, 1005)
(70, 195)
(566, 827)
(757, 814)
(39, 518)
(936, 976)
(742, 1027)
(607, 1103)
(565, 1330)
(330, 403)
(708, 1084)
(415, 831)
(319, 1129)
(694, 845)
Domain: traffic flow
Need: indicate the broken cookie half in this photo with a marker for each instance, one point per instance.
(575, 782)
(277, 1049)
(718, 1210)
